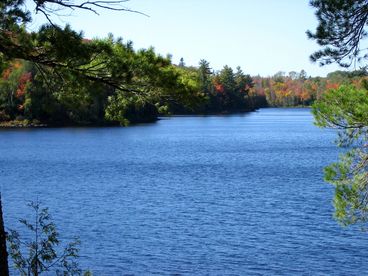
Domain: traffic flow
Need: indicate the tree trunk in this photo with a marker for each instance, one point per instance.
(4, 268)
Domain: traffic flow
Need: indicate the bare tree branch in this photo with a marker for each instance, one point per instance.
(50, 6)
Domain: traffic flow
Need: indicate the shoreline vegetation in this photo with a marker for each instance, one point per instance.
(29, 99)
(21, 124)
(25, 124)
(14, 124)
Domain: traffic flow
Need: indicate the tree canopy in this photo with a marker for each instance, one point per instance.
(341, 32)
(71, 77)
(341, 29)
(53, 46)
(346, 109)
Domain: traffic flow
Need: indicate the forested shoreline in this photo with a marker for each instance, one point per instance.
(56, 77)
(34, 96)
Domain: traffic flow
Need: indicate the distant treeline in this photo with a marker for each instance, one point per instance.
(34, 95)
(297, 89)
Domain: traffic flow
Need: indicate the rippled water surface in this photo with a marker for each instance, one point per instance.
(217, 195)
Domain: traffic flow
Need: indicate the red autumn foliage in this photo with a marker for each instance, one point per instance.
(330, 85)
(219, 88)
(23, 81)
(6, 74)
(13, 66)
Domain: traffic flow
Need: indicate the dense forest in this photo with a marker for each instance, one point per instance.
(34, 95)
(31, 95)
(116, 85)
(297, 89)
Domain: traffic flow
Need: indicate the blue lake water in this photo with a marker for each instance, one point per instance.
(217, 195)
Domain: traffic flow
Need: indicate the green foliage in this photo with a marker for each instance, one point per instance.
(225, 90)
(139, 83)
(125, 109)
(204, 74)
(340, 30)
(349, 176)
(346, 109)
(44, 252)
(80, 81)
(227, 79)
(74, 77)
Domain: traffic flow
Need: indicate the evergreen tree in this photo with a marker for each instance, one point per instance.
(227, 78)
(243, 84)
(204, 74)
(340, 31)
(346, 109)
(181, 63)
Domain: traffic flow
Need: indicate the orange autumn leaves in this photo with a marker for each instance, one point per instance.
(282, 90)
(18, 80)
(24, 80)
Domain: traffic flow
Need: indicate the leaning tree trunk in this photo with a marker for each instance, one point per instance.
(4, 269)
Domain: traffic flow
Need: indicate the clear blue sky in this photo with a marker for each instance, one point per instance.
(262, 36)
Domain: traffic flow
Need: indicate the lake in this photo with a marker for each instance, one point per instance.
(213, 195)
